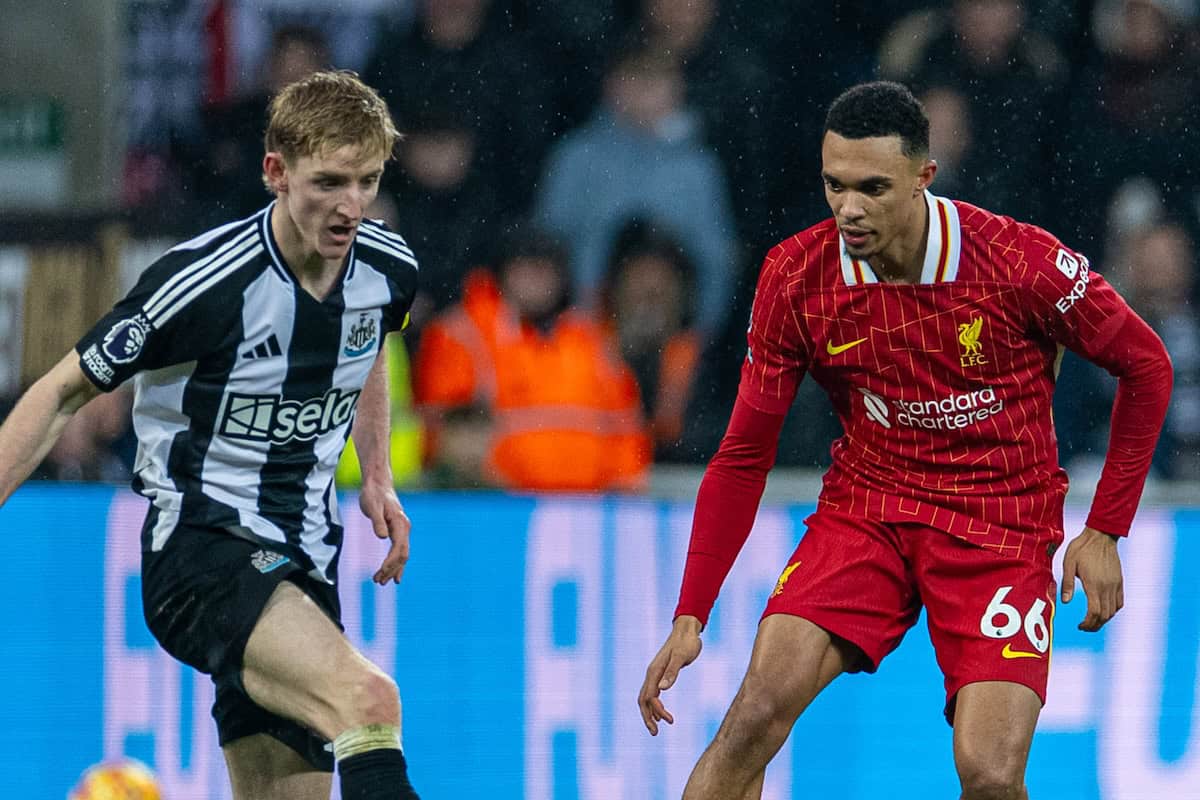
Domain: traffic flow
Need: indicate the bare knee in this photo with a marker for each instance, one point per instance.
(370, 698)
(759, 706)
(992, 776)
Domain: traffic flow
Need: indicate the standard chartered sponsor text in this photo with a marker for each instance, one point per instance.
(953, 412)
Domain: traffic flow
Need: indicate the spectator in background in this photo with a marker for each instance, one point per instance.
(812, 51)
(950, 140)
(351, 28)
(641, 155)
(440, 191)
(575, 39)
(223, 173)
(456, 53)
(1133, 112)
(1009, 79)
(726, 85)
(649, 302)
(563, 410)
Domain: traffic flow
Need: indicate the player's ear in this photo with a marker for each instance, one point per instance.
(925, 175)
(275, 172)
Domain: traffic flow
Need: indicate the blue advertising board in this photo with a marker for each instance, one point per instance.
(519, 637)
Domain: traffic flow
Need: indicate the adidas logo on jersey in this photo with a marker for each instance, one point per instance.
(267, 418)
(264, 349)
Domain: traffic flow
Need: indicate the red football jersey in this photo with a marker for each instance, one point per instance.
(943, 387)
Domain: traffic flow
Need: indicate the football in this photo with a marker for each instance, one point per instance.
(125, 779)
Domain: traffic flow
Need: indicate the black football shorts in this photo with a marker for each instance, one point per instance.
(202, 595)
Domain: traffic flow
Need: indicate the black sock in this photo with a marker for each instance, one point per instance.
(376, 775)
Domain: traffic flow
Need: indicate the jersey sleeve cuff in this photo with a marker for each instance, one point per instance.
(1097, 521)
(702, 578)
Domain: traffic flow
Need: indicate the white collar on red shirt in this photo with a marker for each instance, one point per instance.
(942, 251)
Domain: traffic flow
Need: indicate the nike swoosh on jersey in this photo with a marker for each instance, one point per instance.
(1008, 652)
(835, 349)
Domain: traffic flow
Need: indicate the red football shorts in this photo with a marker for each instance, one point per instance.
(990, 616)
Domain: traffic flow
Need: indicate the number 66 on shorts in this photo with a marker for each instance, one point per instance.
(1002, 621)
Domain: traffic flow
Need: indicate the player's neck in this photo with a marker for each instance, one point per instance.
(315, 274)
(904, 258)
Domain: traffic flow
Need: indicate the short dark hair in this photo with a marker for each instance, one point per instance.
(525, 240)
(303, 35)
(642, 237)
(880, 108)
(634, 55)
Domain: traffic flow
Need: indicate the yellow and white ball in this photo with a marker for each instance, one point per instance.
(117, 780)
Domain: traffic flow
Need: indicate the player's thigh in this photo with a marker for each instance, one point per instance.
(994, 723)
(299, 664)
(793, 660)
(239, 717)
(203, 591)
(990, 615)
(850, 577)
(263, 768)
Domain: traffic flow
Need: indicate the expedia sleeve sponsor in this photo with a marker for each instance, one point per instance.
(1069, 302)
(1077, 269)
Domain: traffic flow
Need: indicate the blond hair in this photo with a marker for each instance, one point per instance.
(326, 111)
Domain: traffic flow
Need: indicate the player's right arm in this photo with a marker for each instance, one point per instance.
(165, 319)
(726, 505)
(727, 501)
(38, 420)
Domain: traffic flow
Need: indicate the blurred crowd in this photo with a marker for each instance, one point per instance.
(590, 187)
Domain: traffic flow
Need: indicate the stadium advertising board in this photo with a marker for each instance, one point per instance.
(519, 637)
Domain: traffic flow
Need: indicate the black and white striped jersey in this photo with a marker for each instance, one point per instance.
(246, 385)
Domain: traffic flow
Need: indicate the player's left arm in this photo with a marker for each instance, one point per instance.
(373, 418)
(39, 419)
(1080, 310)
(377, 497)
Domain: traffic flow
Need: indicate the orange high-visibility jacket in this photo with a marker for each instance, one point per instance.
(676, 374)
(566, 410)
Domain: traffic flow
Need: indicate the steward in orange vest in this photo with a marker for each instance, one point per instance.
(565, 411)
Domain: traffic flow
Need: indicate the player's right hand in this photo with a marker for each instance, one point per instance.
(681, 648)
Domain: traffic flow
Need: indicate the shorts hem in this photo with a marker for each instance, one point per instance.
(868, 662)
(317, 763)
(952, 692)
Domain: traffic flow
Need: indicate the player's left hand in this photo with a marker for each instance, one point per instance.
(380, 505)
(1092, 557)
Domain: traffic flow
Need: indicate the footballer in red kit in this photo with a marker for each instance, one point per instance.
(936, 329)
